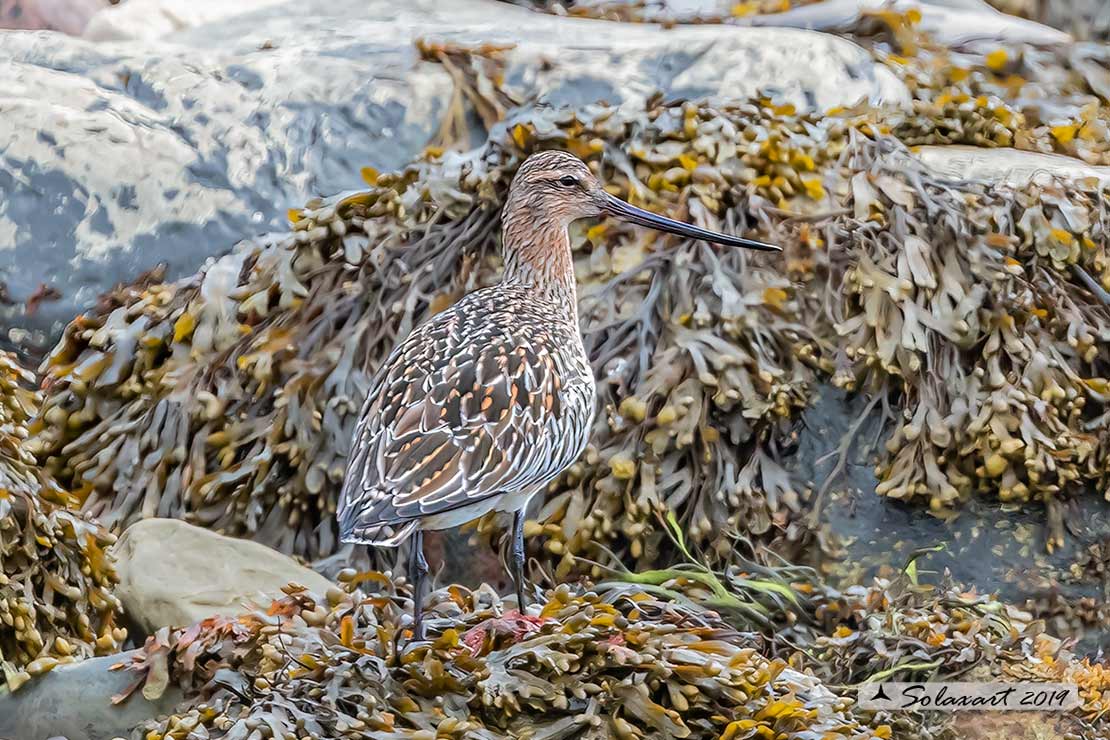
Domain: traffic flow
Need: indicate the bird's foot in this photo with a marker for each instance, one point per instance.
(522, 617)
(511, 624)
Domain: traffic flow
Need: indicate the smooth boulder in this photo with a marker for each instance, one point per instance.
(174, 574)
(75, 701)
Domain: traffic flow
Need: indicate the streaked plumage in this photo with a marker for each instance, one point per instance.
(491, 398)
(485, 404)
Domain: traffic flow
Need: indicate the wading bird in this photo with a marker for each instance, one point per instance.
(486, 403)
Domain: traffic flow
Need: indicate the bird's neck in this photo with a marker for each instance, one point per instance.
(537, 256)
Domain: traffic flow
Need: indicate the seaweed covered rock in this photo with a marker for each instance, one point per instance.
(1012, 167)
(228, 398)
(905, 627)
(56, 600)
(183, 145)
(613, 663)
(976, 76)
(967, 22)
(1012, 417)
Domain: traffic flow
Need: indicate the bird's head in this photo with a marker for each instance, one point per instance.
(558, 188)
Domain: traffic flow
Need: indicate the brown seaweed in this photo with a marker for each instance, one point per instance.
(611, 663)
(56, 601)
(618, 660)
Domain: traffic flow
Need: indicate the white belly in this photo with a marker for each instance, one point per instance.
(511, 502)
(456, 517)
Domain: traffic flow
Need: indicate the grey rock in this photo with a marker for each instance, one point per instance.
(75, 701)
(950, 22)
(151, 19)
(117, 156)
(1086, 19)
(992, 547)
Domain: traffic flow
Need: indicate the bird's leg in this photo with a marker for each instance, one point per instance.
(418, 568)
(518, 558)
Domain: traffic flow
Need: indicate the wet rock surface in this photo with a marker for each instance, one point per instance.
(118, 157)
(151, 19)
(991, 547)
(955, 22)
(173, 574)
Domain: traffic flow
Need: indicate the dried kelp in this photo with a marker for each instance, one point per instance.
(903, 630)
(18, 403)
(617, 662)
(56, 601)
(900, 628)
(701, 358)
(477, 73)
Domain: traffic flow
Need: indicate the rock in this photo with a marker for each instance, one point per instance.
(119, 156)
(951, 22)
(1011, 166)
(175, 574)
(151, 19)
(987, 548)
(75, 701)
(956, 23)
(1087, 19)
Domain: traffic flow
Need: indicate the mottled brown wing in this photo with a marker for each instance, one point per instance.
(467, 407)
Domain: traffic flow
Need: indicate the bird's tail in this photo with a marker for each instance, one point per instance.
(360, 527)
(379, 535)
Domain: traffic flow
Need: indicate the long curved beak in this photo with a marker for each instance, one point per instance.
(626, 211)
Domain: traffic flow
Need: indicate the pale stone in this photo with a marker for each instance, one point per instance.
(1014, 167)
(950, 22)
(67, 16)
(174, 574)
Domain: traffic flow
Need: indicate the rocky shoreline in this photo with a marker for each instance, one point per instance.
(753, 532)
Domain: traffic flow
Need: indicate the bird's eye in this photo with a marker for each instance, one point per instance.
(569, 180)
